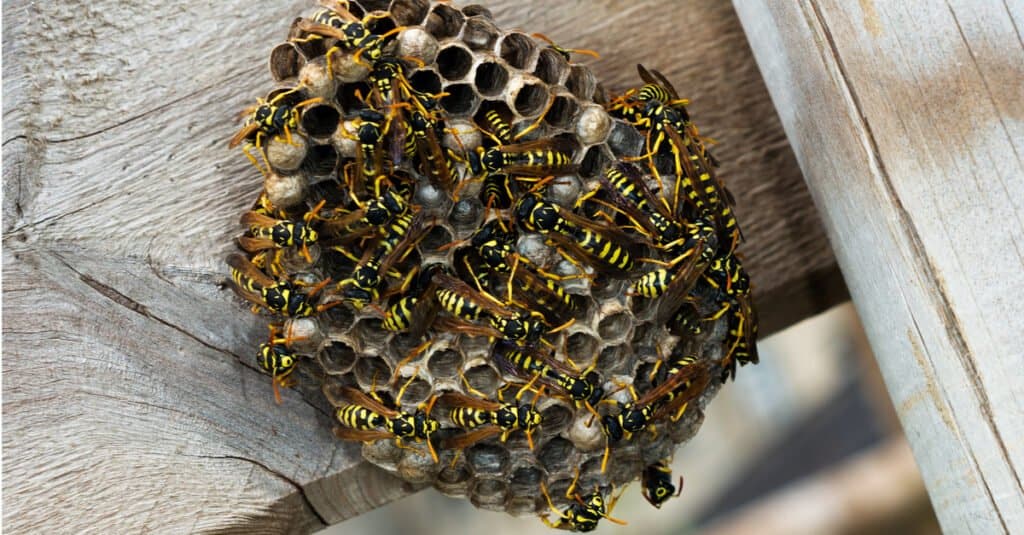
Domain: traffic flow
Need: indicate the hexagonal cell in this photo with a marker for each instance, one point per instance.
(614, 326)
(489, 494)
(454, 62)
(614, 359)
(531, 99)
(369, 332)
(466, 214)
(481, 376)
(487, 459)
(285, 61)
(453, 481)
(586, 433)
(581, 346)
(383, 453)
(372, 373)
(561, 112)
(381, 22)
(525, 504)
(347, 96)
(555, 418)
(320, 121)
(479, 33)
(320, 162)
(444, 21)
(516, 49)
(417, 465)
(285, 191)
(491, 78)
(445, 363)
(525, 479)
(477, 10)
(337, 358)
(284, 156)
(605, 289)
(581, 82)
(594, 163)
(461, 99)
(417, 43)
(555, 455)
(436, 237)
(551, 66)
(413, 389)
(624, 140)
(593, 125)
(409, 12)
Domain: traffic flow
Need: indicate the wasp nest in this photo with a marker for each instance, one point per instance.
(508, 283)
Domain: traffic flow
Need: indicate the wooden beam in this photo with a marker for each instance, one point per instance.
(130, 393)
(906, 119)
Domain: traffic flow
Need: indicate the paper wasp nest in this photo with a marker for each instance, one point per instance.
(475, 67)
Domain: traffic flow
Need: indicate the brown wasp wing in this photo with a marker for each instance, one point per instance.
(457, 399)
(360, 435)
(460, 287)
(256, 219)
(245, 267)
(685, 278)
(243, 134)
(255, 245)
(469, 438)
(363, 400)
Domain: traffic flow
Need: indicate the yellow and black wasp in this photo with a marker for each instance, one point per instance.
(583, 513)
(266, 232)
(540, 158)
(483, 419)
(279, 297)
(368, 217)
(414, 307)
(271, 119)
(352, 34)
(363, 419)
(686, 380)
(471, 306)
(400, 235)
(426, 130)
(529, 363)
(606, 248)
(276, 359)
(658, 483)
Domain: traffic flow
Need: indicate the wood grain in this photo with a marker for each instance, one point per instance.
(131, 398)
(907, 121)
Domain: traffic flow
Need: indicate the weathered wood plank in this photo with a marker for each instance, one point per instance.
(130, 394)
(906, 119)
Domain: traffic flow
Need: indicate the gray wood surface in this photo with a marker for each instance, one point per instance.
(908, 121)
(130, 396)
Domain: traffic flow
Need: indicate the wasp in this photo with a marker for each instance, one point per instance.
(583, 513)
(529, 363)
(337, 22)
(281, 297)
(483, 418)
(370, 128)
(426, 132)
(368, 217)
(538, 158)
(686, 380)
(267, 232)
(275, 358)
(474, 305)
(658, 485)
(271, 118)
(363, 422)
(415, 308)
(678, 276)
(729, 279)
(399, 237)
(639, 203)
(608, 249)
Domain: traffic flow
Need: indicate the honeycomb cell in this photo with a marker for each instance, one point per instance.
(435, 239)
(320, 162)
(517, 49)
(477, 10)
(624, 140)
(285, 61)
(285, 191)
(594, 163)
(414, 390)
(533, 248)
(445, 363)
(383, 453)
(582, 346)
(304, 334)
(476, 349)
(372, 373)
(614, 326)
(284, 156)
(564, 190)
(581, 82)
(562, 112)
(348, 97)
(555, 418)
(481, 376)
(317, 81)
(461, 99)
(551, 66)
(320, 121)
(381, 22)
(417, 43)
(487, 459)
(525, 479)
(444, 21)
(370, 6)
(466, 214)
(479, 33)
(585, 432)
(339, 318)
(337, 358)
(409, 12)
(417, 465)
(614, 359)
(433, 199)
(454, 63)
(453, 481)
(524, 504)
(555, 455)
(531, 99)
(491, 78)
(462, 136)
(593, 125)
(489, 494)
